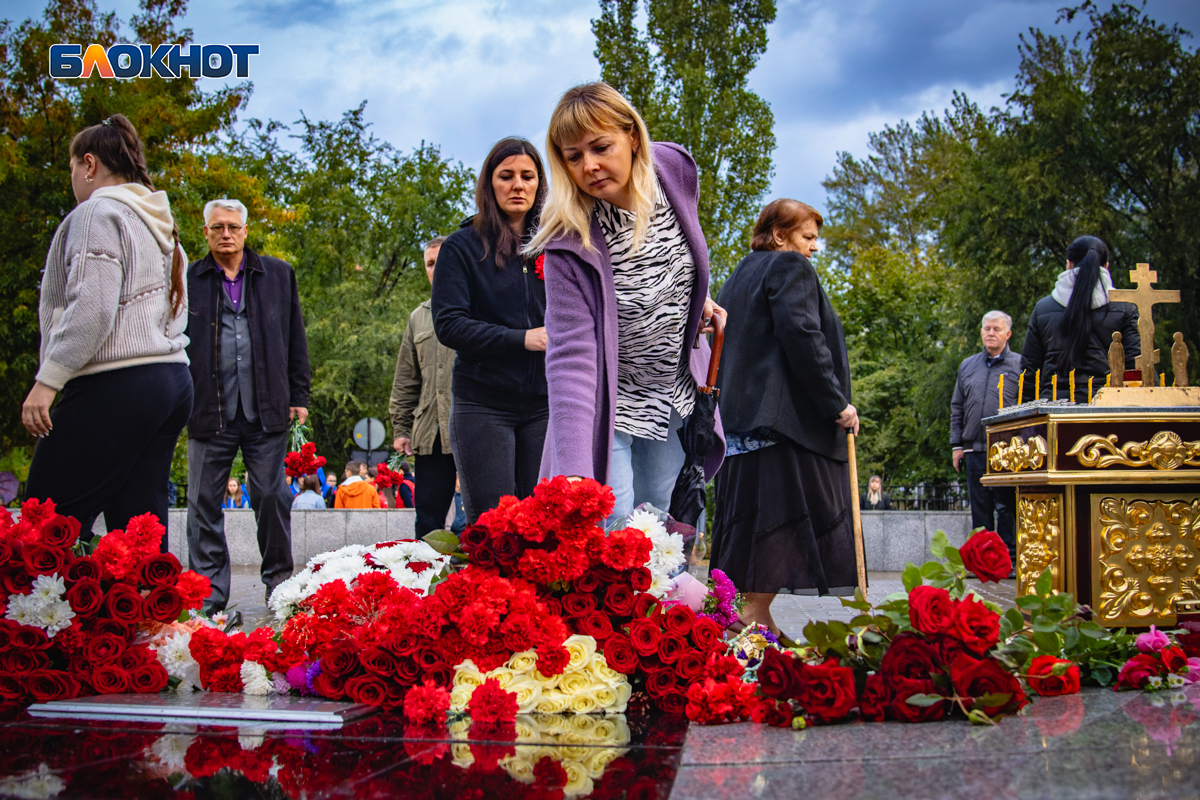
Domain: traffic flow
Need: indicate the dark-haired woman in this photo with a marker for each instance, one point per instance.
(784, 513)
(113, 311)
(489, 305)
(1072, 328)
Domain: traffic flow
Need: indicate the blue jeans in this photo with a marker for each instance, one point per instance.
(645, 471)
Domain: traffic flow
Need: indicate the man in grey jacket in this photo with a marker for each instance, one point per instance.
(976, 396)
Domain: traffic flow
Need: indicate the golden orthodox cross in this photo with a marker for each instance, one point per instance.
(1145, 298)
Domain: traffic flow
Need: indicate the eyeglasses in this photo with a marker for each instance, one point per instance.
(233, 229)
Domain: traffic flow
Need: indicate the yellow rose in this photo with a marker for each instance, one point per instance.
(603, 673)
(528, 693)
(547, 681)
(459, 696)
(579, 783)
(575, 746)
(611, 730)
(606, 698)
(600, 760)
(552, 702)
(581, 650)
(465, 674)
(583, 703)
(574, 682)
(623, 690)
(520, 769)
(523, 662)
(503, 675)
(461, 755)
(582, 725)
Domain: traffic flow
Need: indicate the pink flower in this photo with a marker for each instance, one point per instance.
(1193, 673)
(1153, 641)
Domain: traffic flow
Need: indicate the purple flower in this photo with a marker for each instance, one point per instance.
(1153, 641)
(311, 675)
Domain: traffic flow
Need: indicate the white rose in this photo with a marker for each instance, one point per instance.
(623, 690)
(503, 676)
(519, 769)
(523, 662)
(574, 682)
(606, 698)
(583, 703)
(528, 694)
(579, 783)
(601, 672)
(600, 759)
(466, 674)
(460, 695)
(552, 702)
(581, 649)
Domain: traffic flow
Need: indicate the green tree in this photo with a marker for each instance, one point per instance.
(687, 75)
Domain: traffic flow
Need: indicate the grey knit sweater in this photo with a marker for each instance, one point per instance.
(105, 301)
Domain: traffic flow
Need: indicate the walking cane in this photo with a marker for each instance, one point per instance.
(860, 557)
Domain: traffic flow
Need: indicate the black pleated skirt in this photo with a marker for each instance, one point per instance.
(784, 523)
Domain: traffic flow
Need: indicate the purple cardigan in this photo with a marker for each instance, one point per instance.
(581, 325)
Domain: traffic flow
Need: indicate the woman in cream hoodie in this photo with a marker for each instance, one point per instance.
(113, 310)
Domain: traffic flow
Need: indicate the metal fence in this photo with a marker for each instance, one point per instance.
(927, 496)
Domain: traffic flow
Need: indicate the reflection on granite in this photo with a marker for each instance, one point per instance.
(541, 756)
(1097, 744)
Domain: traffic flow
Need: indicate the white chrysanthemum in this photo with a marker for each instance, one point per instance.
(56, 617)
(251, 738)
(646, 522)
(661, 585)
(170, 751)
(175, 656)
(256, 680)
(41, 783)
(47, 588)
(21, 611)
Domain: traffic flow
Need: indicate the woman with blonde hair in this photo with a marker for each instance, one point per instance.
(626, 269)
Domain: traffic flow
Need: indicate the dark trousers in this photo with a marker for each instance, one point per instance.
(111, 447)
(436, 473)
(209, 462)
(498, 452)
(992, 507)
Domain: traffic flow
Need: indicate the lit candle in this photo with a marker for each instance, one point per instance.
(1037, 385)
(1072, 386)
(1000, 389)
(1108, 379)
(1090, 379)
(1054, 387)
(1021, 388)
(1162, 379)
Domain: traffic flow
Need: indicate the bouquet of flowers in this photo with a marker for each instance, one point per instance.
(386, 478)
(1159, 664)
(71, 620)
(304, 462)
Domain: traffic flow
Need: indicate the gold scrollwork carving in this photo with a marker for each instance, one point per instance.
(1145, 550)
(1017, 454)
(1039, 541)
(1166, 450)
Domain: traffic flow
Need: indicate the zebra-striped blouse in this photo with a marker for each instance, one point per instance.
(654, 288)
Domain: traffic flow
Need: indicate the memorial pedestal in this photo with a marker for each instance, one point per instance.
(1108, 498)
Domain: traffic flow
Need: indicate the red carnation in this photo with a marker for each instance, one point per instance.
(490, 704)
(539, 269)
(553, 660)
(1043, 680)
(986, 555)
(626, 549)
(194, 588)
(427, 704)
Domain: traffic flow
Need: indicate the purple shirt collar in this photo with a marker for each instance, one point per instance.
(233, 288)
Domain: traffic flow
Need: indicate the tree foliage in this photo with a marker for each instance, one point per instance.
(687, 76)
(1100, 137)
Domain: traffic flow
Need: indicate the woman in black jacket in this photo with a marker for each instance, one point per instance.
(489, 304)
(1072, 328)
(783, 506)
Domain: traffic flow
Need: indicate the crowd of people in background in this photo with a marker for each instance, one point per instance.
(565, 334)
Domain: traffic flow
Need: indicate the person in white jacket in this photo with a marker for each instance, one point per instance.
(113, 311)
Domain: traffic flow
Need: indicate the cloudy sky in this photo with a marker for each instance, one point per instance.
(463, 73)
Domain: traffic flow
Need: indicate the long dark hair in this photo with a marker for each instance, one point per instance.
(490, 222)
(115, 142)
(1088, 254)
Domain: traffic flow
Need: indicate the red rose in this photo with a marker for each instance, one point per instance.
(404, 645)
(827, 691)
(148, 678)
(946, 647)
(620, 655)
(103, 648)
(115, 627)
(110, 679)
(6, 550)
(1043, 680)
(646, 605)
(576, 604)
(1138, 671)
(8, 629)
(679, 620)
(13, 688)
(670, 647)
(408, 670)
(706, 634)
(987, 556)
(124, 604)
(40, 559)
(83, 567)
(596, 625)
(1173, 659)
(85, 597)
(14, 579)
(135, 657)
(553, 660)
(381, 662)
(160, 569)
(901, 709)
(474, 536)
(506, 546)
(930, 609)
(975, 625)
(46, 685)
(660, 682)
(163, 604)
(778, 675)
(60, 531)
(428, 658)
(772, 712)
(30, 638)
(976, 678)
(1189, 641)
(618, 600)
(340, 660)
(330, 686)
(674, 702)
(690, 666)
(587, 582)
(640, 579)
(875, 700)
(369, 689)
(644, 635)
(22, 662)
(909, 656)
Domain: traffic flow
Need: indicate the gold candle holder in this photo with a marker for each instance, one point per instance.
(1037, 385)
(1090, 379)
(1054, 387)
(1021, 388)
(1072, 389)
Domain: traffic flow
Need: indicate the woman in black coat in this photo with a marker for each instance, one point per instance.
(1072, 327)
(489, 305)
(784, 511)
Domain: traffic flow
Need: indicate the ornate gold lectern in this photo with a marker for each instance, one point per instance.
(1108, 493)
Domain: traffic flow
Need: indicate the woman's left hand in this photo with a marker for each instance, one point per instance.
(710, 308)
(35, 413)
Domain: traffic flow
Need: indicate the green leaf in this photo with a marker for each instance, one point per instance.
(1071, 639)
(1048, 643)
(993, 700)
(939, 543)
(925, 700)
(1042, 587)
(1043, 625)
(1029, 603)
(444, 542)
(1102, 675)
(1015, 619)
(1093, 630)
(911, 577)
(977, 717)
(1061, 668)
(858, 605)
(932, 570)
(954, 557)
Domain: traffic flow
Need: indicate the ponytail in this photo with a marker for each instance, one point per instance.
(1088, 254)
(115, 142)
